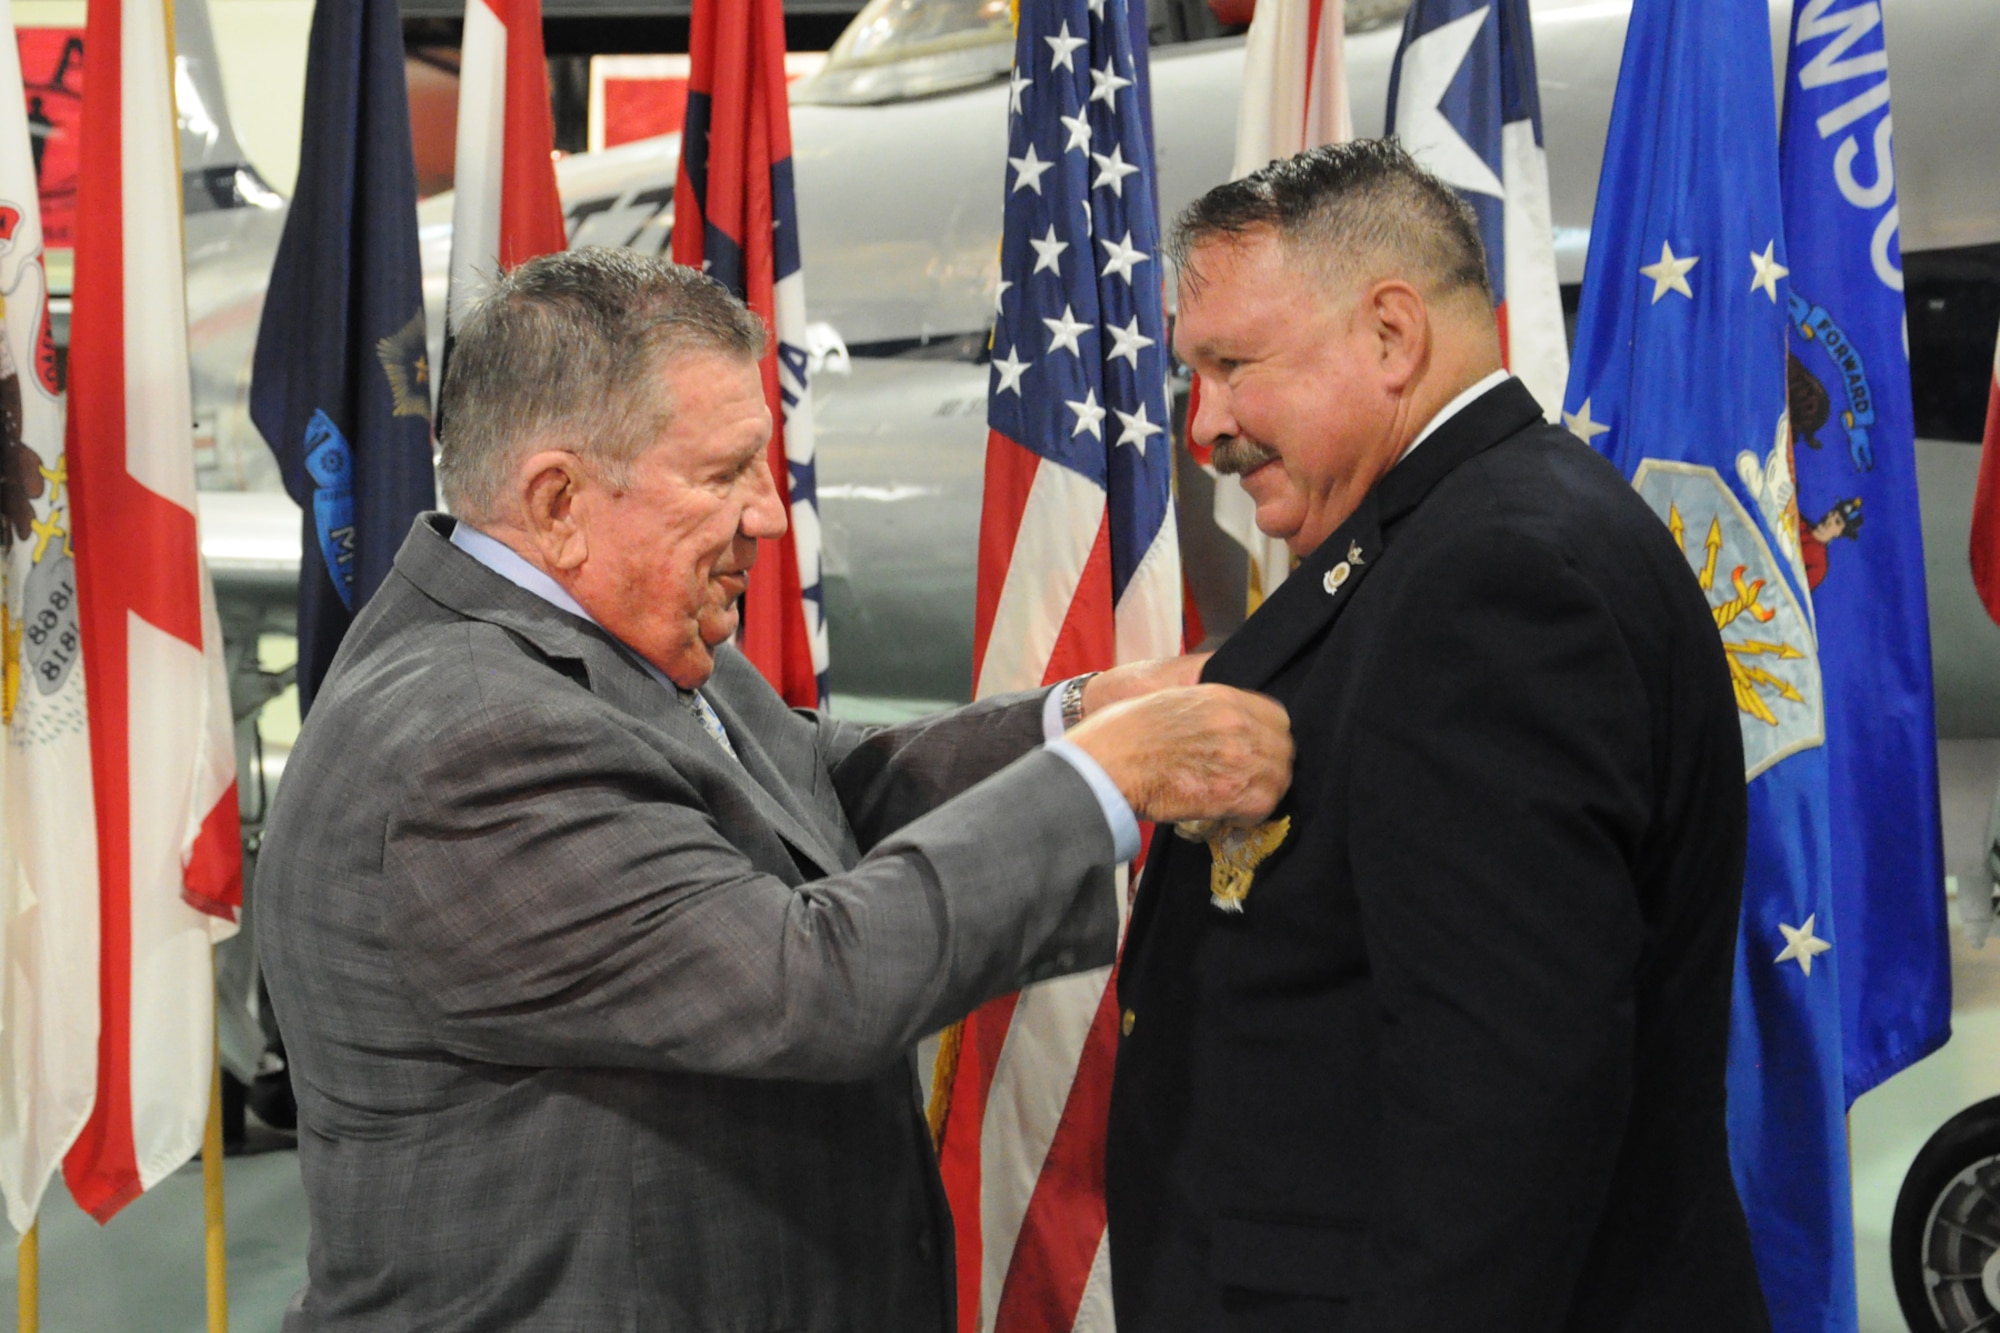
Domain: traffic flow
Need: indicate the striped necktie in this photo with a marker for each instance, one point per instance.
(699, 709)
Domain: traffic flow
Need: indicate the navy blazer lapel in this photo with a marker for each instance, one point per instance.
(455, 580)
(1303, 606)
(1323, 585)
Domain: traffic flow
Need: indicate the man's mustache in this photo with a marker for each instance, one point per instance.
(1233, 456)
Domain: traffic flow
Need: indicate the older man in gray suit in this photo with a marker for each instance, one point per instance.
(600, 968)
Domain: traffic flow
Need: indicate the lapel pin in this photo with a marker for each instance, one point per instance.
(1354, 554)
(1336, 576)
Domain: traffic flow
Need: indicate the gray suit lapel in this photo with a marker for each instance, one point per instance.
(455, 580)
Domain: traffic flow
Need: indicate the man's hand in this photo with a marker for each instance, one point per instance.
(1136, 679)
(1193, 752)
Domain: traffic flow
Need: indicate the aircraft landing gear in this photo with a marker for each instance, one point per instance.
(1944, 1242)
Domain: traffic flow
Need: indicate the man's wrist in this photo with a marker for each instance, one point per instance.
(1119, 820)
(1059, 714)
(1070, 699)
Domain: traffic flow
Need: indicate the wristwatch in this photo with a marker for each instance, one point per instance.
(1071, 702)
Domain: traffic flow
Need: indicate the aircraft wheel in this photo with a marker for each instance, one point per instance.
(1944, 1242)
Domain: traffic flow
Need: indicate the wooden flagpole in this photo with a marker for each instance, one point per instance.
(214, 1230)
(28, 1280)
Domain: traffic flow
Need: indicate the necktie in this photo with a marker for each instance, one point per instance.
(699, 708)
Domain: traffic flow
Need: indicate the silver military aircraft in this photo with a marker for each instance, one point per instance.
(899, 158)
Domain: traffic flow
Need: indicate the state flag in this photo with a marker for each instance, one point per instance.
(48, 815)
(1860, 532)
(736, 219)
(341, 383)
(163, 761)
(1465, 100)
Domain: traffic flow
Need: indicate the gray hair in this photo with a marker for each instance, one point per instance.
(565, 352)
(1355, 212)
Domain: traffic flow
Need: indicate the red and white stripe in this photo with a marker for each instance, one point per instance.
(505, 209)
(1294, 98)
(163, 759)
(48, 855)
(1030, 1093)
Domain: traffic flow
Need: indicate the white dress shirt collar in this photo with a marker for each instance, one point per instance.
(509, 564)
(1453, 408)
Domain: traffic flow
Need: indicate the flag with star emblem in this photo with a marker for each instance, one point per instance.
(162, 752)
(737, 220)
(1679, 377)
(1861, 532)
(340, 387)
(1079, 569)
(1294, 98)
(48, 819)
(1464, 100)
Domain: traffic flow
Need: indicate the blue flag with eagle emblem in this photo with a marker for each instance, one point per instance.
(1679, 377)
(340, 387)
(1862, 537)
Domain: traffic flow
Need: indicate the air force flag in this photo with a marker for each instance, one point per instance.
(1679, 377)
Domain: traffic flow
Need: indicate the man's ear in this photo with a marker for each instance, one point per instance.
(550, 483)
(1402, 331)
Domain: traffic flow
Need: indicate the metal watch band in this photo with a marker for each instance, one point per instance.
(1072, 699)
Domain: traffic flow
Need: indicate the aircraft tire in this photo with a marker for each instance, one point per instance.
(1944, 1240)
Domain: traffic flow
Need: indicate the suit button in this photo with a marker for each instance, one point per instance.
(1065, 960)
(1125, 1024)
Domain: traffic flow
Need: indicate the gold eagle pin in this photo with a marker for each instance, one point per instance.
(1235, 853)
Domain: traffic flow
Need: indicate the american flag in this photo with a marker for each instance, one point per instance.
(1079, 568)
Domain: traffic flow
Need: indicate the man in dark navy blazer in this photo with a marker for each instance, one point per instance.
(1453, 1060)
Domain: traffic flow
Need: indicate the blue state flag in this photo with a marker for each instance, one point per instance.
(1678, 376)
(1862, 538)
(340, 386)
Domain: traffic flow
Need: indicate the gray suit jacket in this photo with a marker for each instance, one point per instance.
(595, 1027)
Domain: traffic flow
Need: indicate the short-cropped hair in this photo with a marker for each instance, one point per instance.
(1355, 212)
(567, 351)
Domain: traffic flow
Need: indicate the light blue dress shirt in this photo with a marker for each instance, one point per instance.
(508, 564)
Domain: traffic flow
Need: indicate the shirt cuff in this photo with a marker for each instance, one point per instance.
(1052, 727)
(1118, 816)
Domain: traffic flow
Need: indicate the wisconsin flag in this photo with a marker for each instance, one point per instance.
(737, 220)
(341, 386)
(1861, 538)
(1465, 101)
(1679, 377)
(163, 765)
(48, 818)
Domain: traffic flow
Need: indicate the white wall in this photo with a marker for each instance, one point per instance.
(262, 47)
